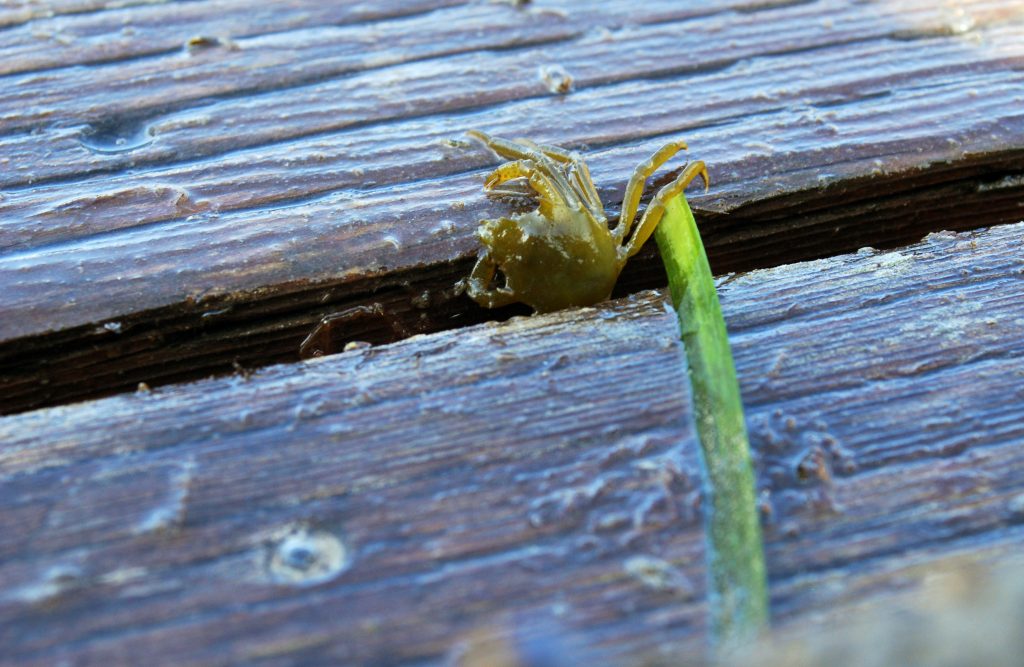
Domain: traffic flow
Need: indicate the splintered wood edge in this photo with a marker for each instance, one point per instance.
(538, 473)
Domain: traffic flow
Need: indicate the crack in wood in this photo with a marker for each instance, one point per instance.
(233, 332)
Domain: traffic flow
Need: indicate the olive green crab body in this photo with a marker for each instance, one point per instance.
(550, 264)
(563, 253)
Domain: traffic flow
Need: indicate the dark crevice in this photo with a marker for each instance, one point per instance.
(239, 332)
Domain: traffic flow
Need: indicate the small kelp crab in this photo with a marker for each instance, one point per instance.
(563, 253)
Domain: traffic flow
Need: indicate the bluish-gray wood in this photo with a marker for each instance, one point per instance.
(380, 506)
(169, 214)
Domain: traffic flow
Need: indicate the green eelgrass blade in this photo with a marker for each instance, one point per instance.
(738, 595)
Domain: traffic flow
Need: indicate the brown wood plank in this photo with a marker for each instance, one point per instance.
(133, 31)
(156, 131)
(525, 471)
(817, 143)
(295, 57)
(18, 12)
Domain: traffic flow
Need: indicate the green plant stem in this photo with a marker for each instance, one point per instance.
(738, 596)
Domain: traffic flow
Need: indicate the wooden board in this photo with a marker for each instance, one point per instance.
(18, 12)
(379, 506)
(89, 33)
(169, 215)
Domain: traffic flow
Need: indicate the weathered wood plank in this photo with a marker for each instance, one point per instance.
(386, 147)
(329, 204)
(131, 31)
(155, 131)
(524, 471)
(417, 550)
(17, 12)
(295, 57)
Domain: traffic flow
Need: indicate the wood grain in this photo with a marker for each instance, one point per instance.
(288, 58)
(539, 473)
(181, 214)
(128, 30)
(18, 12)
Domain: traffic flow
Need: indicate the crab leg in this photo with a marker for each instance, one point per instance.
(579, 171)
(635, 188)
(554, 152)
(511, 150)
(527, 151)
(582, 173)
(652, 216)
(584, 186)
(479, 281)
(550, 196)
